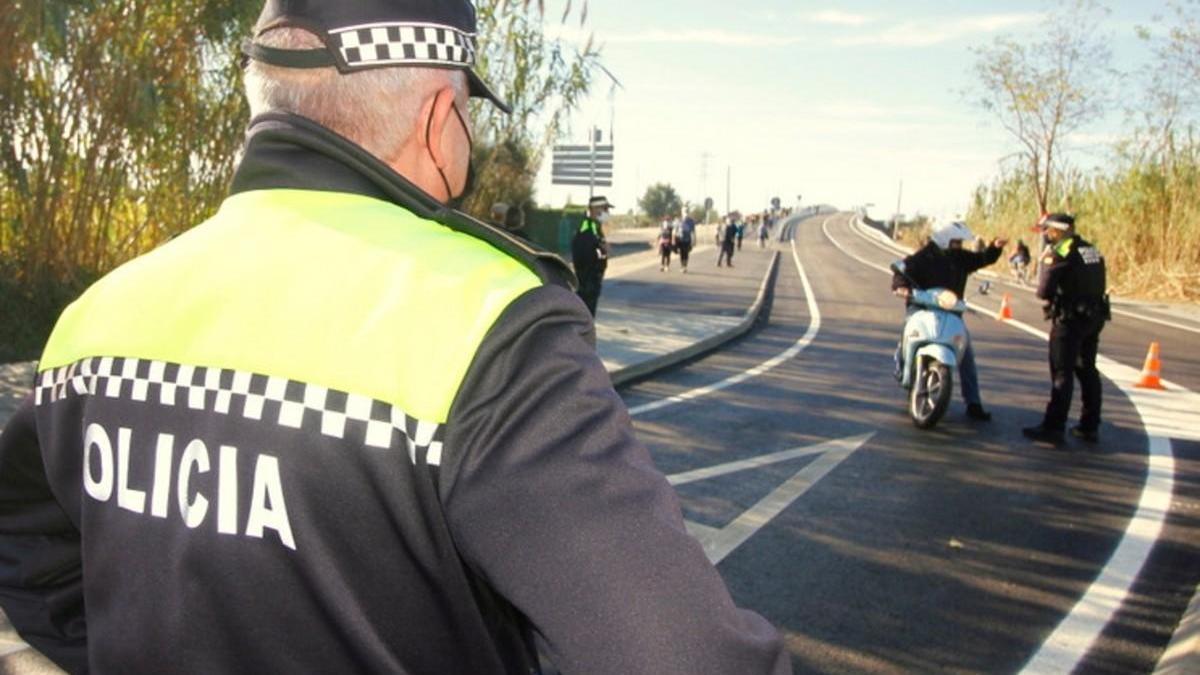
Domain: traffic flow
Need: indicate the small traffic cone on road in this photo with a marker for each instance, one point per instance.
(1150, 371)
(1005, 309)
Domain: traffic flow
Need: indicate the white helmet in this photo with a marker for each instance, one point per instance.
(948, 232)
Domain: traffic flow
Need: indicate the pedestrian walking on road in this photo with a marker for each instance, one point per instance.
(1073, 284)
(589, 252)
(944, 263)
(514, 222)
(741, 232)
(666, 242)
(498, 214)
(341, 427)
(685, 237)
(764, 232)
(1019, 262)
(727, 238)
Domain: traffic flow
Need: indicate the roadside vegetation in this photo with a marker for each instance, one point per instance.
(120, 124)
(1142, 208)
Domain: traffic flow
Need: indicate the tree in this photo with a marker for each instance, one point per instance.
(661, 201)
(117, 128)
(120, 124)
(1174, 81)
(1044, 90)
(541, 79)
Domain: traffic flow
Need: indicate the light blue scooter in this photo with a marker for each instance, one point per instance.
(934, 340)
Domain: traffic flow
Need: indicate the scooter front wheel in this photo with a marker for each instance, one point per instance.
(931, 393)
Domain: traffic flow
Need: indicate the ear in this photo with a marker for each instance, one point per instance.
(441, 108)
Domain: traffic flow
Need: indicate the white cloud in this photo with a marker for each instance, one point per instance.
(930, 32)
(836, 18)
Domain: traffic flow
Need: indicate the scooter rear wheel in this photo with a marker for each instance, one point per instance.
(930, 396)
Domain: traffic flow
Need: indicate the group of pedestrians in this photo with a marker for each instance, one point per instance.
(1072, 284)
(678, 236)
(675, 237)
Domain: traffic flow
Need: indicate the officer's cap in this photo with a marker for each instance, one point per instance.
(1057, 221)
(362, 34)
(599, 203)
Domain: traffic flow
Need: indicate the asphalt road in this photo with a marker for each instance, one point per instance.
(960, 549)
(879, 548)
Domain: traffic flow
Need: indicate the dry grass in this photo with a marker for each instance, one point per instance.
(1144, 215)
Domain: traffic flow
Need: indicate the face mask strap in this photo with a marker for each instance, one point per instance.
(451, 199)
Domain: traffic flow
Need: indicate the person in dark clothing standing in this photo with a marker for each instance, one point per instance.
(727, 239)
(685, 237)
(1073, 283)
(944, 263)
(589, 252)
(514, 221)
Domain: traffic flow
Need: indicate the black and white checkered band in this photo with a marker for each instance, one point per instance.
(288, 403)
(380, 44)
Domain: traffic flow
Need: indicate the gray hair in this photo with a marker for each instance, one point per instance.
(375, 108)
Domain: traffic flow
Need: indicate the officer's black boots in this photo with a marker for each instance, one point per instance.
(976, 412)
(1091, 436)
(1043, 435)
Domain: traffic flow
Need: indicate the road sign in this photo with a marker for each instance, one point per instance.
(590, 165)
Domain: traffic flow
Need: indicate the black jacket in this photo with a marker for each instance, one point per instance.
(589, 251)
(542, 513)
(1074, 281)
(931, 267)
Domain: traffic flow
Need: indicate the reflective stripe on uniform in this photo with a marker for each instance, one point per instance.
(364, 297)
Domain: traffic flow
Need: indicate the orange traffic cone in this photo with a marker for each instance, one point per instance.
(1150, 371)
(1005, 309)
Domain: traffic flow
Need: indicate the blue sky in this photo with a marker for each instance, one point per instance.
(837, 102)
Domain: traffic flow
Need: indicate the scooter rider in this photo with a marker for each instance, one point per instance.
(943, 262)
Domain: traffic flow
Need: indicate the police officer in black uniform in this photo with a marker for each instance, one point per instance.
(1074, 287)
(341, 427)
(589, 252)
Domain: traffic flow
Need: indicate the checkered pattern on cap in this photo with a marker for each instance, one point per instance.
(287, 403)
(380, 44)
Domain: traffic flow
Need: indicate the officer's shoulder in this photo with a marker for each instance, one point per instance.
(546, 266)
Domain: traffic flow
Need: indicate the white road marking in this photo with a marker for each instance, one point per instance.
(1073, 637)
(1071, 640)
(720, 542)
(814, 325)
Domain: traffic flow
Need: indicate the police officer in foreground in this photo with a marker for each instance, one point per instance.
(1074, 287)
(589, 252)
(340, 427)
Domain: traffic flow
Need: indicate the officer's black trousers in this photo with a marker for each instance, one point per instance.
(589, 290)
(1073, 347)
